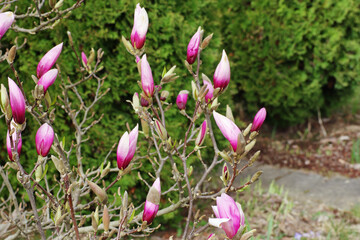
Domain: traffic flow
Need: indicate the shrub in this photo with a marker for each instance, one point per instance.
(293, 57)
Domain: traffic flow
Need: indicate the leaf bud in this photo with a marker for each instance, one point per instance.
(11, 55)
(254, 158)
(106, 219)
(99, 192)
(206, 41)
(256, 176)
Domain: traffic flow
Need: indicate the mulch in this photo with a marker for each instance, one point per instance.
(322, 154)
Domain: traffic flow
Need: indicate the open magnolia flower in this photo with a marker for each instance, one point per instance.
(229, 215)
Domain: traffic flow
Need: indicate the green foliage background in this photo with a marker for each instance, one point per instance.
(292, 57)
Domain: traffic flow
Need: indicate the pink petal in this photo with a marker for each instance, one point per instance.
(122, 150)
(228, 129)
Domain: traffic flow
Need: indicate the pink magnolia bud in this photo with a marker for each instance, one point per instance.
(48, 60)
(147, 81)
(210, 88)
(84, 59)
(44, 139)
(8, 143)
(17, 102)
(258, 120)
(137, 58)
(201, 136)
(229, 215)
(193, 47)
(228, 129)
(152, 202)
(144, 102)
(126, 148)
(48, 79)
(182, 99)
(141, 24)
(6, 19)
(222, 73)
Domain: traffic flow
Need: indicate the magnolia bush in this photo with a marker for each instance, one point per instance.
(56, 210)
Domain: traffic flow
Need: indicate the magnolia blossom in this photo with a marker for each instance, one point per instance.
(6, 19)
(222, 73)
(48, 60)
(48, 79)
(228, 128)
(126, 148)
(44, 139)
(144, 102)
(141, 24)
(193, 47)
(229, 215)
(258, 120)
(17, 102)
(84, 59)
(152, 202)
(14, 139)
(210, 94)
(181, 99)
(147, 81)
(201, 136)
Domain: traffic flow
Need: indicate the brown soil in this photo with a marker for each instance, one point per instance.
(311, 149)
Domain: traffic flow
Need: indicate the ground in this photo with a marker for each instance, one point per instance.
(316, 172)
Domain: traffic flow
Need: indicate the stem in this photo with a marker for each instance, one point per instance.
(115, 181)
(33, 206)
(160, 107)
(68, 193)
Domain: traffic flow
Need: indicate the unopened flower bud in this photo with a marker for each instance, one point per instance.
(193, 47)
(6, 20)
(48, 60)
(258, 120)
(202, 133)
(222, 73)
(17, 102)
(225, 174)
(48, 79)
(144, 102)
(5, 103)
(164, 95)
(210, 89)
(181, 99)
(84, 59)
(160, 129)
(145, 128)
(126, 148)
(141, 23)
(147, 81)
(152, 202)
(14, 140)
(44, 139)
